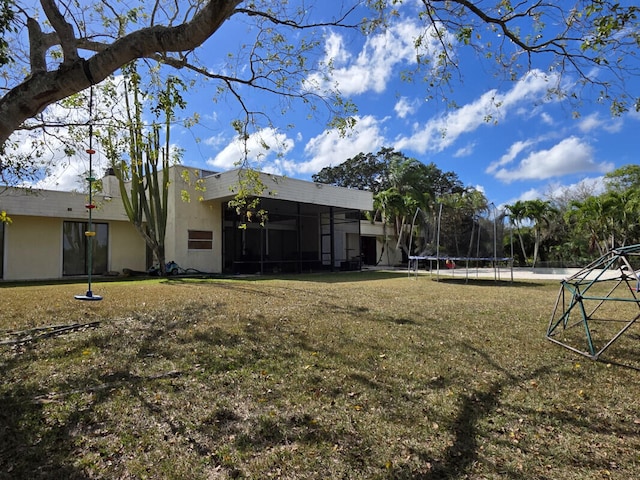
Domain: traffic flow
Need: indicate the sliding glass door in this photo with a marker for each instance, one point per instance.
(75, 255)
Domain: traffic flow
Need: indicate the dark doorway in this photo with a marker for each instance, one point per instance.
(369, 251)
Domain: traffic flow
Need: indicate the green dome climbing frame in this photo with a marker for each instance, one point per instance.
(597, 305)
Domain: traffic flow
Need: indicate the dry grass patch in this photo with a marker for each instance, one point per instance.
(355, 375)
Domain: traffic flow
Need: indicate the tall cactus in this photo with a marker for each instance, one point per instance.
(144, 179)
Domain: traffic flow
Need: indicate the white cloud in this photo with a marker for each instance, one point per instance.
(335, 51)
(330, 148)
(546, 118)
(261, 148)
(570, 156)
(404, 107)
(589, 123)
(595, 122)
(465, 151)
(215, 140)
(70, 174)
(377, 62)
(60, 171)
(441, 132)
(531, 194)
(514, 150)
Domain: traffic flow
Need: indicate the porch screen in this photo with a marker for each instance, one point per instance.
(75, 251)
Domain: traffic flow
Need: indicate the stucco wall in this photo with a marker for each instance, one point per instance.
(220, 186)
(126, 248)
(33, 247)
(193, 214)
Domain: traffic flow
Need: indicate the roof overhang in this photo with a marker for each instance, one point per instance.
(224, 186)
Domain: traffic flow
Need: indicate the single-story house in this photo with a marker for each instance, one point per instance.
(310, 227)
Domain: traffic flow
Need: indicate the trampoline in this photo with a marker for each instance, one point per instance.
(483, 236)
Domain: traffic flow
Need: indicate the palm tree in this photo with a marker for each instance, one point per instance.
(478, 205)
(621, 210)
(538, 211)
(517, 215)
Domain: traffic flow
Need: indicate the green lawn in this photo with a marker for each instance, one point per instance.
(351, 375)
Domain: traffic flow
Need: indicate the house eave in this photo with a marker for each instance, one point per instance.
(224, 186)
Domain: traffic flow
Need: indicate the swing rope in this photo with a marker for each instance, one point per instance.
(90, 233)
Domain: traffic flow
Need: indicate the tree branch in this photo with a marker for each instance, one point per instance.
(43, 88)
(64, 31)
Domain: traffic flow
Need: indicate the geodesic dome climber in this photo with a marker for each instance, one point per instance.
(597, 305)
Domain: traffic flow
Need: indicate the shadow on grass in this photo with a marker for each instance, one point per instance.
(320, 277)
(34, 445)
(489, 282)
(45, 429)
(27, 452)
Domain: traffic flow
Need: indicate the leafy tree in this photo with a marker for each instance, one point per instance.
(58, 49)
(624, 208)
(7, 16)
(538, 212)
(624, 178)
(517, 216)
(461, 220)
(401, 185)
(476, 204)
(72, 46)
(533, 215)
(368, 171)
(573, 39)
(589, 217)
(611, 219)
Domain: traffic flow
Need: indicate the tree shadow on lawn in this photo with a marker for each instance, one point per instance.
(33, 445)
(476, 405)
(49, 451)
(43, 427)
(487, 282)
(319, 277)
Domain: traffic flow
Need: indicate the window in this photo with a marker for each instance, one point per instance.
(200, 240)
(75, 258)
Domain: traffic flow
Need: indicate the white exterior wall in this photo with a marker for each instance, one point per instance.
(33, 241)
(126, 248)
(194, 214)
(221, 186)
(33, 247)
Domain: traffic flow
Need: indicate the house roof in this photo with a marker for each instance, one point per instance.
(224, 186)
(53, 203)
(218, 186)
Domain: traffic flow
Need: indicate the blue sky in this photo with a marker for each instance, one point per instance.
(531, 146)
